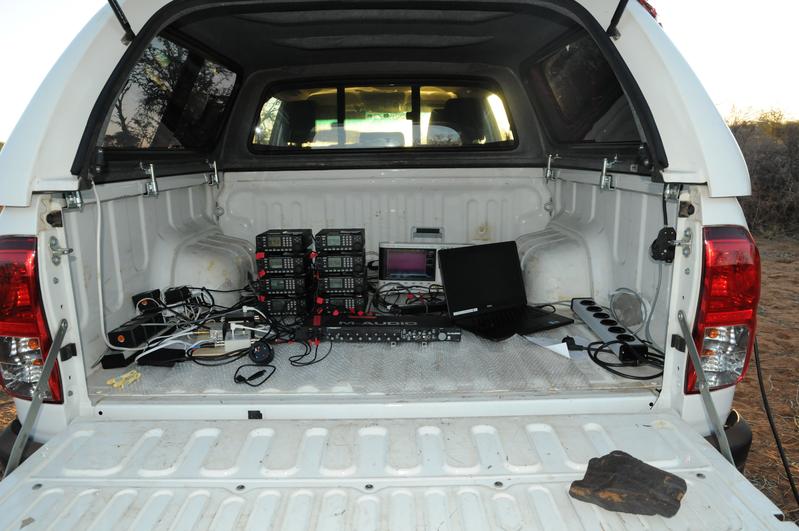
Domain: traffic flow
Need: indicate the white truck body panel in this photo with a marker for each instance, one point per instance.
(468, 473)
(488, 463)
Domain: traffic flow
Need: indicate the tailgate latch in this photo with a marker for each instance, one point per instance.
(58, 251)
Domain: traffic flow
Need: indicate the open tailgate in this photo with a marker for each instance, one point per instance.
(399, 474)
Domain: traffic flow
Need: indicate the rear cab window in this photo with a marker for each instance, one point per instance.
(385, 116)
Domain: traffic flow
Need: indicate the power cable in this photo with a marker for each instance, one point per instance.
(777, 440)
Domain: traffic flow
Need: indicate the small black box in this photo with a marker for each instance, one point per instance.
(177, 295)
(134, 333)
(145, 302)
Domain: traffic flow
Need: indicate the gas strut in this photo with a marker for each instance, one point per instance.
(123, 21)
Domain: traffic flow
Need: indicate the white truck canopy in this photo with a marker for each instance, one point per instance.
(42, 147)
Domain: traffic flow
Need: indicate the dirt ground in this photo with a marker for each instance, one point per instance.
(778, 337)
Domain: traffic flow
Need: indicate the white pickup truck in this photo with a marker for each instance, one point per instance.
(170, 134)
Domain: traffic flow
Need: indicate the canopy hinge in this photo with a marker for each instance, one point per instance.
(606, 180)
(74, 200)
(212, 177)
(671, 191)
(549, 174)
(151, 186)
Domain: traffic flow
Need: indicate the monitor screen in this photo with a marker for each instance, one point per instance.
(482, 277)
(407, 264)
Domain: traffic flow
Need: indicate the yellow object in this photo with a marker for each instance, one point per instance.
(124, 379)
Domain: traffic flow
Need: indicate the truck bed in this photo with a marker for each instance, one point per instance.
(472, 473)
(474, 368)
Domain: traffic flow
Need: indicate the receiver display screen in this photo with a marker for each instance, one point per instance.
(274, 241)
(334, 261)
(408, 264)
(334, 240)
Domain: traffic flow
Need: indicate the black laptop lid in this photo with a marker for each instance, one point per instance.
(482, 278)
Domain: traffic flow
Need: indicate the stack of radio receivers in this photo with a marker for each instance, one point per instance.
(341, 270)
(285, 272)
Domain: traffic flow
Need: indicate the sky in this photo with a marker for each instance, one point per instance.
(742, 50)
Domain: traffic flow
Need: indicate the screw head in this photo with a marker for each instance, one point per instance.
(687, 271)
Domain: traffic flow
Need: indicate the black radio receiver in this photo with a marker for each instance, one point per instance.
(343, 264)
(283, 264)
(340, 240)
(284, 240)
(283, 285)
(344, 285)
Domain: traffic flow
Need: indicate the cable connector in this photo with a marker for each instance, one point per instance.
(571, 344)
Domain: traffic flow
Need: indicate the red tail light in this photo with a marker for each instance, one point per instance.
(725, 324)
(649, 8)
(24, 337)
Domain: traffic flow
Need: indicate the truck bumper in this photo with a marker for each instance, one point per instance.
(7, 438)
(739, 434)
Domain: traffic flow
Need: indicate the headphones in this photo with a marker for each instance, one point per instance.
(261, 354)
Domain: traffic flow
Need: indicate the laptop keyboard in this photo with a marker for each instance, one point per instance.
(499, 319)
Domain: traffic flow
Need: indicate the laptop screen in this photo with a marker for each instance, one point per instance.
(481, 278)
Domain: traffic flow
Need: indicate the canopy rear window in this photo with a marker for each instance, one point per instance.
(580, 97)
(383, 116)
(174, 99)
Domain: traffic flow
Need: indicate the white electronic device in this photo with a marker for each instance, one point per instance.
(410, 263)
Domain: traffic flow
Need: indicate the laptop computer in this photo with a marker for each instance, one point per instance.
(485, 292)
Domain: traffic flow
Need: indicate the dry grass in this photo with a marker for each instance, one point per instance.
(779, 337)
